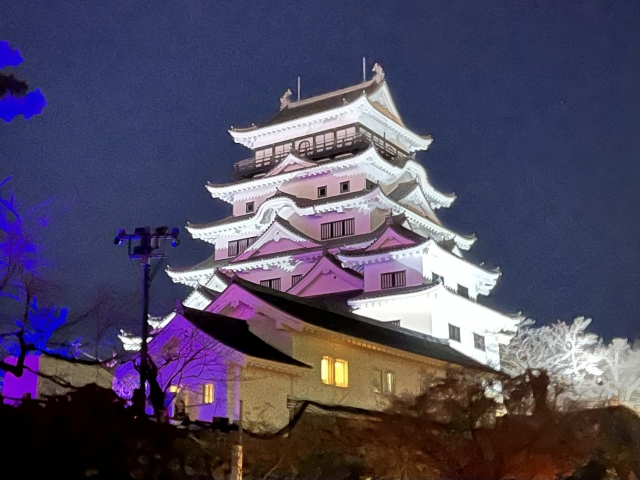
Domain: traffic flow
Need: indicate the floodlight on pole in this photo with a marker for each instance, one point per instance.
(146, 246)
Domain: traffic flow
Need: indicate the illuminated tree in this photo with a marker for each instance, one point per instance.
(15, 98)
(568, 353)
(620, 379)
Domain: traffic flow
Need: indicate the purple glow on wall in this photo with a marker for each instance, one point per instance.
(16, 388)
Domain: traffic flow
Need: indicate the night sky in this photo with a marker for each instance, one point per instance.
(533, 107)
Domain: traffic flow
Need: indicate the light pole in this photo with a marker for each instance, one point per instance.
(147, 246)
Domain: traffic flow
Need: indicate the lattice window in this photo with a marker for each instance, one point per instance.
(236, 247)
(295, 279)
(340, 228)
(273, 283)
(478, 342)
(393, 279)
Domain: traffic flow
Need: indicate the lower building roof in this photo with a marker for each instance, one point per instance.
(235, 334)
(317, 313)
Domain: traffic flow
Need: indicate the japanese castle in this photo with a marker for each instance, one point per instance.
(334, 208)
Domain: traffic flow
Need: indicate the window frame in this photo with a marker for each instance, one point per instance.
(479, 340)
(328, 230)
(393, 279)
(234, 246)
(462, 291)
(208, 393)
(345, 373)
(378, 378)
(454, 333)
(348, 187)
(326, 370)
(389, 387)
(272, 283)
(325, 192)
(295, 279)
(250, 207)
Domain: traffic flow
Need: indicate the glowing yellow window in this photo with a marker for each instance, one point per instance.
(341, 373)
(326, 370)
(207, 393)
(174, 389)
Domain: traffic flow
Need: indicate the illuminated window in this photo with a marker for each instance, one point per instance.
(478, 341)
(174, 389)
(377, 381)
(454, 333)
(344, 187)
(250, 206)
(393, 279)
(326, 370)
(207, 393)
(341, 368)
(389, 382)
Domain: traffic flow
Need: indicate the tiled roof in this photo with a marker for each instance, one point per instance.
(400, 230)
(307, 310)
(321, 103)
(235, 334)
(395, 291)
(299, 201)
(402, 190)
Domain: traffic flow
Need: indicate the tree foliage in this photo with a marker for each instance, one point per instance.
(578, 362)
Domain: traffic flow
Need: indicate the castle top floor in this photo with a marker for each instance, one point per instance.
(336, 124)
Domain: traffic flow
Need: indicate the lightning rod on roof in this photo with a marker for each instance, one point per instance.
(298, 87)
(364, 69)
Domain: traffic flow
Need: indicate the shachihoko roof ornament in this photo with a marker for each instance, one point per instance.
(379, 76)
(284, 99)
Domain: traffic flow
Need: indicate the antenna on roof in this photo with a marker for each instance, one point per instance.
(298, 87)
(364, 69)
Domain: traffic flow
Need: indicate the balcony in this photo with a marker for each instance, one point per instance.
(317, 151)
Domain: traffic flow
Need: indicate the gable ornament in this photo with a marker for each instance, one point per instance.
(379, 73)
(284, 99)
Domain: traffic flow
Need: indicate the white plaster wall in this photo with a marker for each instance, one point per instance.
(412, 266)
(308, 187)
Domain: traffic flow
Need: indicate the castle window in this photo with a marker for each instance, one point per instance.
(344, 187)
(326, 370)
(463, 291)
(478, 342)
(341, 373)
(393, 279)
(250, 206)
(283, 150)
(340, 228)
(389, 382)
(236, 247)
(377, 381)
(207, 393)
(334, 372)
(174, 389)
(369, 185)
(295, 279)
(273, 283)
(322, 192)
(454, 333)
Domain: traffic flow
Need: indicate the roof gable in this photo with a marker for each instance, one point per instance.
(326, 277)
(238, 302)
(289, 164)
(391, 238)
(382, 96)
(279, 237)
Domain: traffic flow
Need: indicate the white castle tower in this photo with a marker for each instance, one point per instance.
(332, 202)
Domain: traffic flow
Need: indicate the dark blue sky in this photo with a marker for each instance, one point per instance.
(533, 107)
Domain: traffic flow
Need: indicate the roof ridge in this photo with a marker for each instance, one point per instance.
(333, 93)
